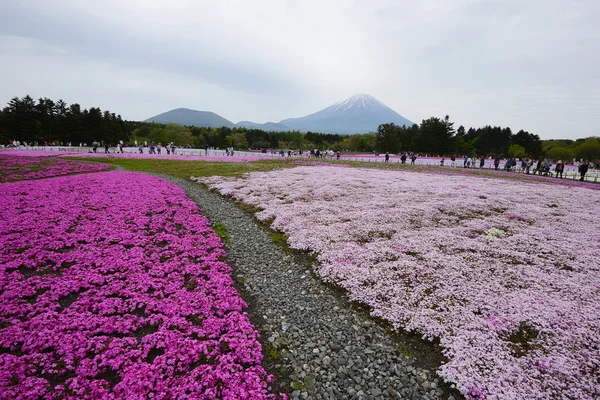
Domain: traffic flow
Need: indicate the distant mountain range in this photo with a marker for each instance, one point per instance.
(185, 116)
(267, 126)
(360, 113)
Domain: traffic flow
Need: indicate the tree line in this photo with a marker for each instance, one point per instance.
(45, 121)
(437, 136)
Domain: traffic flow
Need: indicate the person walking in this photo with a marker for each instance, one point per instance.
(583, 169)
(152, 148)
(141, 149)
(465, 161)
(387, 157)
(453, 159)
(206, 149)
(413, 159)
(469, 161)
(496, 163)
(106, 146)
(482, 162)
(559, 169)
(539, 167)
(547, 167)
(403, 158)
(442, 162)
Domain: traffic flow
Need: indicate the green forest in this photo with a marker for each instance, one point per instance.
(54, 122)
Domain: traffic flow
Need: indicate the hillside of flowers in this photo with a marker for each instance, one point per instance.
(505, 274)
(111, 286)
(19, 167)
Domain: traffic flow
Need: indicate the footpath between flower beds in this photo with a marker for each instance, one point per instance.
(317, 343)
(113, 285)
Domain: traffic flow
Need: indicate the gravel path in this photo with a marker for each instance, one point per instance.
(317, 344)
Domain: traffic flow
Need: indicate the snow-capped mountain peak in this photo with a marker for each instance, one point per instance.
(356, 102)
(356, 114)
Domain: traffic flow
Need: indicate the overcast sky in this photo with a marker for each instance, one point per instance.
(526, 64)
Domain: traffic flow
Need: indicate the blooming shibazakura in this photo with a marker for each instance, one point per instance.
(134, 155)
(13, 168)
(506, 274)
(35, 153)
(165, 156)
(111, 286)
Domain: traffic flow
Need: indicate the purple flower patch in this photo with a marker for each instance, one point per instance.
(16, 168)
(111, 286)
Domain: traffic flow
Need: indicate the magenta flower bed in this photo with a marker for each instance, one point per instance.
(165, 156)
(13, 168)
(506, 274)
(111, 286)
(35, 153)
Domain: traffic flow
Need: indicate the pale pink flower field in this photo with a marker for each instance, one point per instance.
(506, 274)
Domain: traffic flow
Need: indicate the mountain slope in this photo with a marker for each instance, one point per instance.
(185, 116)
(360, 113)
(267, 126)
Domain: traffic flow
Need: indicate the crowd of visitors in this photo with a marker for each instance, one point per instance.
(155, 148)
(544, 167)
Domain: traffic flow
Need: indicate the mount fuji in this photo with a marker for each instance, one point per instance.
(360, 113)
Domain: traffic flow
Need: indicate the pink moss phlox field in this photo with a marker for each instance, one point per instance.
(35, 153)
(506, 274)
(111, 286)
(13, 168)
(318, 164)
(517, 176)
(165, 156)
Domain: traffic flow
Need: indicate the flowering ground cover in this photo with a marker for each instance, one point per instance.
(111, 286)
(34, 153)
(505, 274)
(14, 167)
(490, 173)
(485, 172)
(313, 163)
(164, 155)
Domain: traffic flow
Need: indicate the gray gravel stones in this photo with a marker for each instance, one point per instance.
(316, 344)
